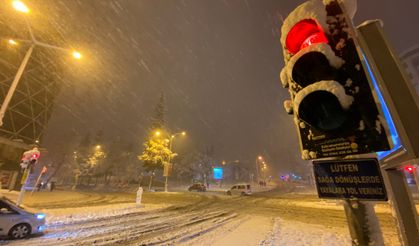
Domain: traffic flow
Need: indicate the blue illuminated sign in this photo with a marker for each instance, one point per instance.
(217, 173)
(392, 129)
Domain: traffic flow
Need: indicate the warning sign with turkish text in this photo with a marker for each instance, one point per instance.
(356, 178)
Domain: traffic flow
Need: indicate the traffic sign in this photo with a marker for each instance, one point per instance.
(354, 178)
(167, 170)
(217, 173)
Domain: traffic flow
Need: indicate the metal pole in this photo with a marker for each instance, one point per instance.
(168, 163)
(15, 83)
(22, 190)
(403, 207)
(37, 182)
(257, 170)
(399, 98)
(416, 175)
(363, 223)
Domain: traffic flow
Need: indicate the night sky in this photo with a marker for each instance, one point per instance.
(216, 61)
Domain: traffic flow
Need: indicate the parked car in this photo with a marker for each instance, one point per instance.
(240, 189)
(17, 223)
(197, 187)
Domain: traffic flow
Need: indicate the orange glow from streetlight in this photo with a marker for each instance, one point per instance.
(20, 6)
(157, 133)
(77, 55)
(260, 157)
(183, 133)
(12, 42)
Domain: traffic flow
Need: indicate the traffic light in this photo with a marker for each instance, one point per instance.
(331, 99)
(30, 158)
(409, 169)
(35, 156)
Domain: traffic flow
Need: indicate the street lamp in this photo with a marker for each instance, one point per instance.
(77, 55)
(12, 42)
(258, 159)
(21, 7)
(172, 137)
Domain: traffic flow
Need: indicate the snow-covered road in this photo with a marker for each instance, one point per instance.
(271, 218)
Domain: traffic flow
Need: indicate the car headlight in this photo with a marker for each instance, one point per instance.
(40, 216)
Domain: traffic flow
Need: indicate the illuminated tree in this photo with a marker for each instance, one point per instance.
(156, 154)
(96, 158)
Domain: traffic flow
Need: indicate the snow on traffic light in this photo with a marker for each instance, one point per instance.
(331, 99)
(30, 157)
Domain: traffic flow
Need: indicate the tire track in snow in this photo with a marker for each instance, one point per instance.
(129, 227)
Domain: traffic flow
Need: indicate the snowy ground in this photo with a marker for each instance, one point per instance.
(179, 218)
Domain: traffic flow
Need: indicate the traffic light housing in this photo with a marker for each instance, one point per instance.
(331, 99)
(30, 158)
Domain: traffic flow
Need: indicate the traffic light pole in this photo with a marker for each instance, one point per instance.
(404, 110)
(26, 174)
(402, 206)
(363, 223)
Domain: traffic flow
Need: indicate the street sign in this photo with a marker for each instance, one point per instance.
(343, 179)
(44, 170)
(218, 173)
(167, 171)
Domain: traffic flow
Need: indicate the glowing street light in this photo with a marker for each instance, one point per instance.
(20, 6)
(12, 42)
(172, 137)
(77, 55)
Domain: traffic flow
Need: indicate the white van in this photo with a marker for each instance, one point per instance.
(240, 189)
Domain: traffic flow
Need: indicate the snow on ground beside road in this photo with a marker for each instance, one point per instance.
(66, 215)
(245, 230)
(249, 232)
(73, 214)
(264, 231)
(293, 233)
(328, 204)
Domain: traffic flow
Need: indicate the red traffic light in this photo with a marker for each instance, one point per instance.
(332, 102)
(303, 34)
(409, 168)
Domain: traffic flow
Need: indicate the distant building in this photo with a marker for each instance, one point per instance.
(410, 60)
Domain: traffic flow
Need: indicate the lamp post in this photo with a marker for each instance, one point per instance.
(171, 138)
(21, 7)
(258, 159)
